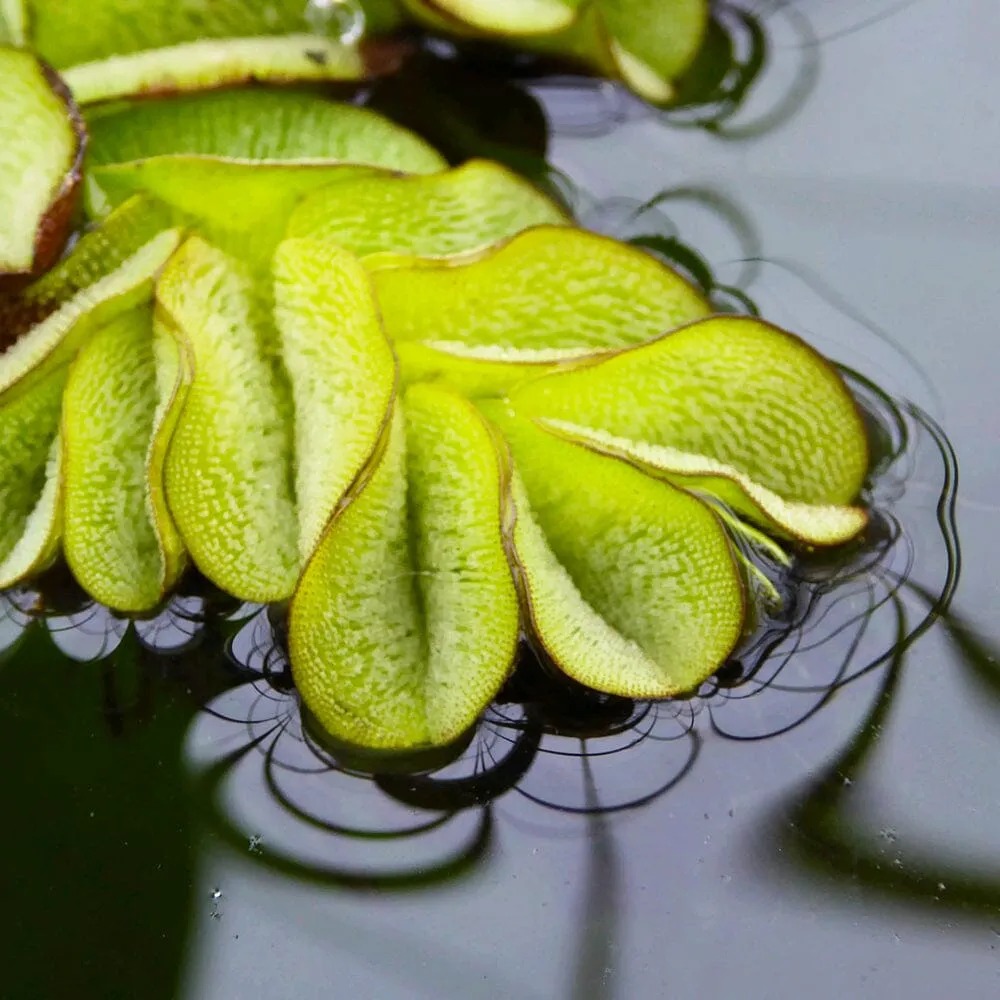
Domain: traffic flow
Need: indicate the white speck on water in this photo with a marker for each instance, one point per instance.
(941, 886)
(256, 840)
(216, 893)
(340, 20)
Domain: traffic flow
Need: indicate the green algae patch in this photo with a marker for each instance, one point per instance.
(257, 125)
(228, 468)
(110, 271)
(736, 390)
(467, 208)
(550, 294)
(109, 538)
(630, 585)
(42, 140)
(342, 373)
(405, 623)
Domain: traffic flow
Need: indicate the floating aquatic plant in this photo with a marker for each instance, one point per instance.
(297, 351)
(669, 52)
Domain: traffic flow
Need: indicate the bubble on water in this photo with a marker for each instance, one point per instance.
(255, 844)
(216, 893)
(340, 20)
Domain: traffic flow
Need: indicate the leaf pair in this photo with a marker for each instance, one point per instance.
(404, 624)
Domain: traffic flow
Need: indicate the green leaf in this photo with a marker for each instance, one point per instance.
(68, 32)
(654, 41)
(466, 208)
(228, 469)
(210, 63)
(109, 537)
(733, 389)
(342, 372)
(110, 271)
(259, 125)
(242, 207)
(405, 623)
(548, 289)
(38, 545)
(812, 524)
(631, 586)
(29, 424)
(42, 139)
(508, 17)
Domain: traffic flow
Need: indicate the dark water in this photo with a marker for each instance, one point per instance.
(807, 833)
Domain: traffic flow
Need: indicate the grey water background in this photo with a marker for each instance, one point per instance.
(855, 856)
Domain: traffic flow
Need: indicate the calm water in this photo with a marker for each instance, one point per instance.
(155, 850)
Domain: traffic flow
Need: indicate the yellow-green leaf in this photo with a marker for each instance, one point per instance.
(733, 389)
(41, 148)
(29, 424)
(462, 209)
(405, 624)
(229, 465)
(342, 372)
(109, 538)
(631, 585)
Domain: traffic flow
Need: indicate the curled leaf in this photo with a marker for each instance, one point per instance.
(466, 208)
(42, 140)
(342, 373)
(109, 536)
(510, 17)
(110, 271)
(405, 623)
(228, 468)
(549, 294)
(630, 585)
(256, 125)
(813, 524)
(209, 63)
(733, 389)
(29, 424)
(68, 32)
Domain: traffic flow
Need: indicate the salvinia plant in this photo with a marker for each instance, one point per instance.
(414, 404)
(106, 48)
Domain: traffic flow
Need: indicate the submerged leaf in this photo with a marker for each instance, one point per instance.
(733, 389)
(109, 406)
(405, 623)
(463, 209)
(631, 585)
(42, 139)
(342, 372)
(228, 467)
